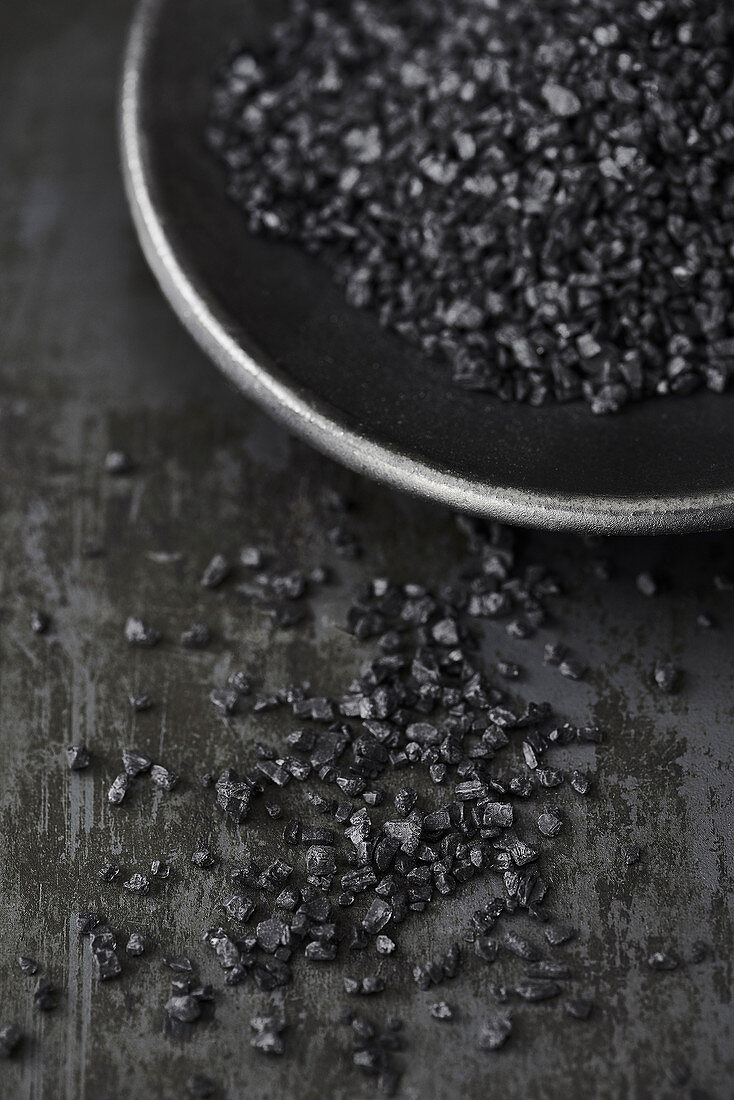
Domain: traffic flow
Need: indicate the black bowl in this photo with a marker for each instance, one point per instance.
(272, 319)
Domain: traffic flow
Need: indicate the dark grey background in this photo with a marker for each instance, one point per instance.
(90, 357)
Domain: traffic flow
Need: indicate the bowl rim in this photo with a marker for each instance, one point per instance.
(313, 419)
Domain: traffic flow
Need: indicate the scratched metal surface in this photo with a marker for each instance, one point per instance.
(90, 358)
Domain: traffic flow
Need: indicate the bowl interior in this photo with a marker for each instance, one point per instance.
(662, 464)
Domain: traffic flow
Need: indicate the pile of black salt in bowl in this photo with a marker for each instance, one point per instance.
(539, 192)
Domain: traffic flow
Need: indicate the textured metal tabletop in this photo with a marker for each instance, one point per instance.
(90, 359)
